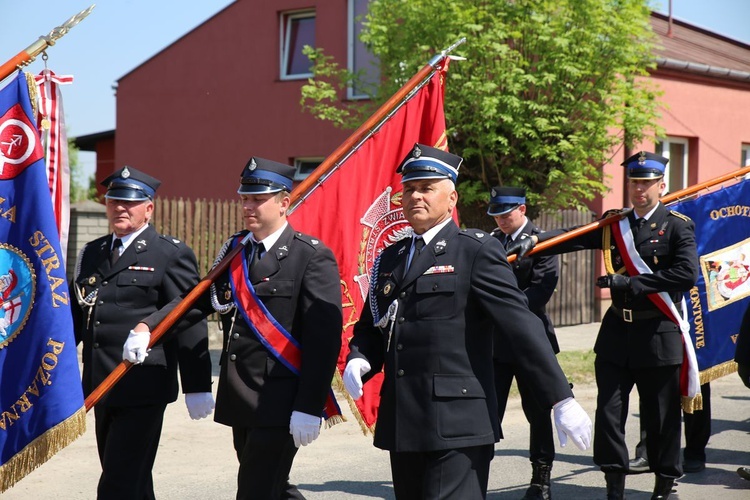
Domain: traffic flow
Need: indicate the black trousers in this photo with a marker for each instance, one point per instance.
(697, 430)
(459, 474)
(659, 391)
(266, 455)
(542, 441)
(127, 440)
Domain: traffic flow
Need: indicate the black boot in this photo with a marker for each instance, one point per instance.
(615, 485)
(662, 488)
(539, 488)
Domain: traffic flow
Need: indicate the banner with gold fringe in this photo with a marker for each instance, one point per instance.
(41, 398)
(719, 299)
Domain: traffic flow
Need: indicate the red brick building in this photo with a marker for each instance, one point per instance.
(229, 89)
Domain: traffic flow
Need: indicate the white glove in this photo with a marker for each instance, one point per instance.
(135, 349)
(199, 404)
(572, 422)
(353, 376)
(304, 428)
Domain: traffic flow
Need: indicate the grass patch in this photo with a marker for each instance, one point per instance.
(578, 367)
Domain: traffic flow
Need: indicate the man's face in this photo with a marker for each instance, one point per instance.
(264, 213)
(428, 202)
(126, 217)
(644, 193)
(510, 222)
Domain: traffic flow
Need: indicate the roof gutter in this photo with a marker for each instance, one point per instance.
(702, 69)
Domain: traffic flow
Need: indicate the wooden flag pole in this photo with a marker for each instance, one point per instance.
(672, 197)
(302, 190)
(27, 55)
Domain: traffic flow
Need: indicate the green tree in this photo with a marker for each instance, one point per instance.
(546, 94)
(80, 188)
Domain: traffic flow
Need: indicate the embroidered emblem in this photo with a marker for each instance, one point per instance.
(417, 152)
(125, 173)
(252, 166)
(17, 292)
(642, 158)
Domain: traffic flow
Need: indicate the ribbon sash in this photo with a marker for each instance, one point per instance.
(269, 332)
(689, 376)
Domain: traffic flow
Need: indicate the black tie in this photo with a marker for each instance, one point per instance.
(114, 254)
(640, 222)
(418, 245)
(508, 241)
(257, 253)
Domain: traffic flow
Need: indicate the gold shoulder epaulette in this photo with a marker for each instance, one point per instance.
(681, 216)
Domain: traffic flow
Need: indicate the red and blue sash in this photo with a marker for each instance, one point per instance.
(689, 376)
(271, 334)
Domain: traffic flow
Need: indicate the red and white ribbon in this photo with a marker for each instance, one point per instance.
(689, 375)
(51, 125)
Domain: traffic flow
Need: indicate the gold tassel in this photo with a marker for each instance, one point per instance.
(33, 94)
(42, 449)
(689, 405)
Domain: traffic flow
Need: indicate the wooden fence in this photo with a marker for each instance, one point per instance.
(206, 224)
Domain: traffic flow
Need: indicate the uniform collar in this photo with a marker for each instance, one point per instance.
(270, 240)
(128, 238)
(428, 235)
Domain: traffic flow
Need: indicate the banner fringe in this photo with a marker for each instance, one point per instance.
(718, 371)
(42, 449)
(691, 404)
(338, 385)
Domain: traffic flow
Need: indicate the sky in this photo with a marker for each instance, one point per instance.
(119, 35)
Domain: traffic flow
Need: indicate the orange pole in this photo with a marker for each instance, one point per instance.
(669, 198)
(304, 187)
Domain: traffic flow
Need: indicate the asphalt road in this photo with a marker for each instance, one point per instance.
(196, 459)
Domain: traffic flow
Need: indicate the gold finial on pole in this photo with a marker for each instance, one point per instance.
(28, 55)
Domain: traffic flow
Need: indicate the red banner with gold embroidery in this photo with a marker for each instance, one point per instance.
(357, 211)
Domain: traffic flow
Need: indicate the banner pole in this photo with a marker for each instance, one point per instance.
(669, 198)
(27, 55)
(297, 195)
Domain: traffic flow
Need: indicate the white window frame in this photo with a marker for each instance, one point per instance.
(666, 142)
(285, 24)
(298, 163)
(352, 40)
(745, 156)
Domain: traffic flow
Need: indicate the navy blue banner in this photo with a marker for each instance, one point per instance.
(41, 399)
(719, 299)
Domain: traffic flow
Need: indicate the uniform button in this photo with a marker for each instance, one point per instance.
(399, 347)
(104, 283)
(236, 336)
(402, 295)
(435, 286)
(133, 280)
(101, 302)
(400, 373)
(464, 391)
(96, 345)
(273, 291)
(401, 320)
(97, 323)
(232, 357)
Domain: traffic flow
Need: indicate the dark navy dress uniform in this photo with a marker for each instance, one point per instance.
(152, 270)
(637, 344)
(537, 278)
(298, 282)
(437, 401)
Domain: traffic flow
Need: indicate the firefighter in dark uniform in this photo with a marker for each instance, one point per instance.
(120, 278)
(434, 300)
(637, 343)
(272, 405)
(537, 278)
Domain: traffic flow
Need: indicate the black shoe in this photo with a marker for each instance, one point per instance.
(662, 488)
(615, 485)
(638, 465)
(744, 473)
(539, 489)
(693, 465)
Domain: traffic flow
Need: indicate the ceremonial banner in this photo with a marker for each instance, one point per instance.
(41, 399)
(51, 123)
(718, 300)
(357, 211)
